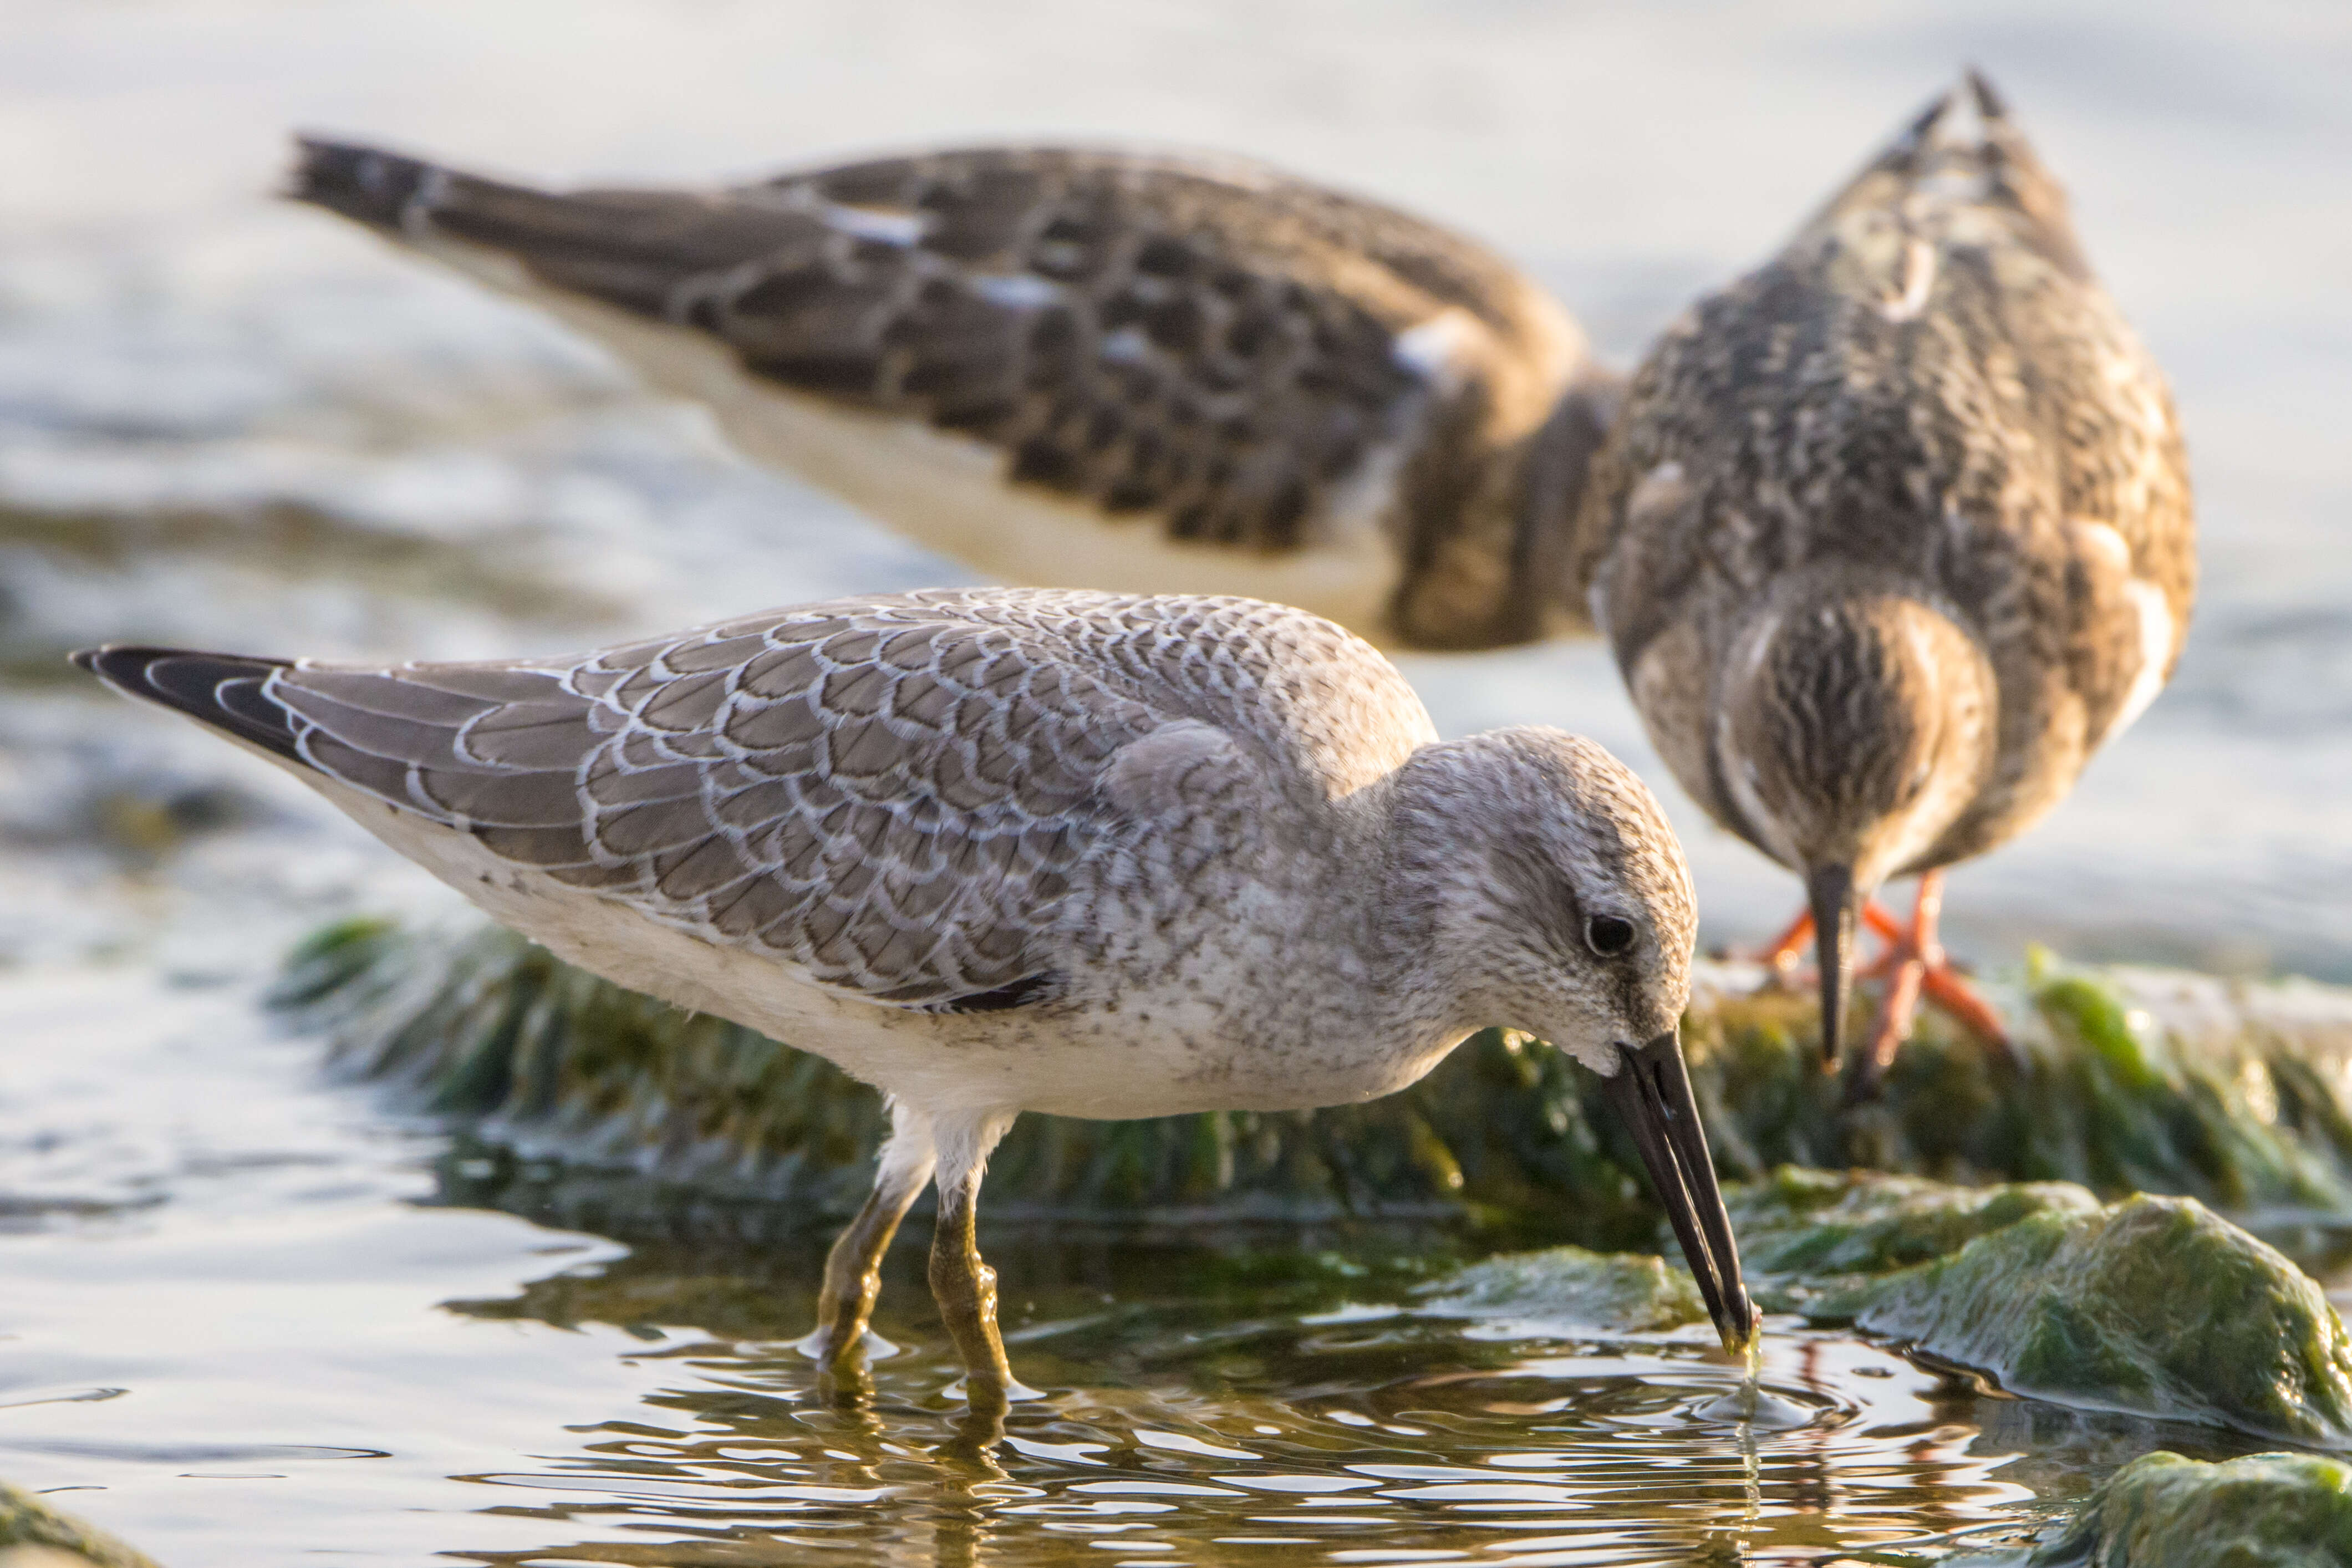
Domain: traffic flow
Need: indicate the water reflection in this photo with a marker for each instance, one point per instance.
(1179, 1432)
(274, 1321)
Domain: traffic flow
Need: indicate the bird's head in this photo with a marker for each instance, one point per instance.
(1553, 897)
(1851, 731)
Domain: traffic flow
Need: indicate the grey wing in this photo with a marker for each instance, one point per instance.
(889, 801)
(1238, 355)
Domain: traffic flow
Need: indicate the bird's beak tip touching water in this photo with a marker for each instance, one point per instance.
(1830, 888)
(1650, 1090)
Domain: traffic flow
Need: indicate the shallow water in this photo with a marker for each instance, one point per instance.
(251, 1317)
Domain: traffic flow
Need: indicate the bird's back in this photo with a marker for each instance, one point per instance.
(894, 797)
(1082, 367)
(1926, 396)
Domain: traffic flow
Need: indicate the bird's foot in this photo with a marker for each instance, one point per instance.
(1785, 956)
(1915, 969)
(987, 1393)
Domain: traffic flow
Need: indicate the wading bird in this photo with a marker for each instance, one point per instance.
(1892, 534)
(1000, 850)
(1113, 371)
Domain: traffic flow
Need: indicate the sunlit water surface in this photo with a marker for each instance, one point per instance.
(243, 1324)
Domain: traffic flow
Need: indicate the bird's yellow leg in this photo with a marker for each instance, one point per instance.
(853, 1269)
(963, 1285)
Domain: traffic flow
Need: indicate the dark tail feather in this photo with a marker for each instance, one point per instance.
(375, 187)
(222, 689)
(2027, 183)
(1990, 104)
(391, 191)
(1831, 889)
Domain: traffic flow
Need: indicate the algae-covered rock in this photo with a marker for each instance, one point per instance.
(34, 1535)
(1804, 1233)
(2152, 1305)
(480, 1024)
(2265, 1511)
(1572, 1289)
(2135, 1081)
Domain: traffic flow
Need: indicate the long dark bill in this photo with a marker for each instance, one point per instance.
(1830, 890)
(1651, 1091)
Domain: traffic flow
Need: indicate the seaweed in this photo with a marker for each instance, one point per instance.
(2161, 1510)
(2135, 1080)
(2156, 1306)
(1568, 1290)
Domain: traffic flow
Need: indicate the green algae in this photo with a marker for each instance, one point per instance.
(2135, 1081)
(2155, 1306)
(40, 1537)
(1805, 1233)
(2264, 1510)
(480, 1025)
(1572, 1289)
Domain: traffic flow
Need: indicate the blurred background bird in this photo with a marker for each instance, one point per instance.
(1892, 533)
(1916, 479)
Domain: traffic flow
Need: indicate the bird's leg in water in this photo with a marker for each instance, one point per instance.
(965, 1287)
(1915, 965)
(853, 1269)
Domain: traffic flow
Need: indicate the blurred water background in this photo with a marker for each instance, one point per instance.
(226, 421)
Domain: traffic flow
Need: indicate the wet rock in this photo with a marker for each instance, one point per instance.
(2135, 1081)
(2152, 1305)
(1803, 1234)
(34, 1535)
(1569, 1288)
(2265, 1511)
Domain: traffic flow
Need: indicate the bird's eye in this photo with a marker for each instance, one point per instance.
(1608, 935)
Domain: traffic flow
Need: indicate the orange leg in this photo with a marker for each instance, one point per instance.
(1788, 949)
(1914, 966)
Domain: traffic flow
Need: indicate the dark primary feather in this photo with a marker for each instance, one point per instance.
(224, 689)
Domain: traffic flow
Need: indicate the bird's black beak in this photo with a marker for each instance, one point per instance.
(1830, 890)
(1651, 1090)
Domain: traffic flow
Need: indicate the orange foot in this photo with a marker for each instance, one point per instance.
(1914, 966)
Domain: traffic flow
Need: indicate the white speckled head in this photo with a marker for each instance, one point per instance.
(1537, 884)
(1548, 888)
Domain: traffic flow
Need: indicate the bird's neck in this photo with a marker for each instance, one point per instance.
(1422, 989)
(1854, 729)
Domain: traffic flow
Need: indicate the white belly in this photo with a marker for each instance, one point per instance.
(1158, 1053)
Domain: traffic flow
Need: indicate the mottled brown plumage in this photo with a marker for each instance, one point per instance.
(1894, 532)
(1248, 368)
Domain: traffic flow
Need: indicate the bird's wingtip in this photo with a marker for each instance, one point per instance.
(1923, 123)
(368, 184)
